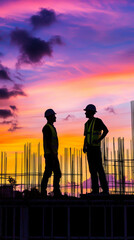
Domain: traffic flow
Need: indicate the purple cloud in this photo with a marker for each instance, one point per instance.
(126, 55)
(4, 73)
(5, 122)
(110, 110)
(44, 18)
(14, 127)
(56, 40)
(16, 91)
(68, 117)
(19, 76)
(5, 113)
(32, 49)
(13, 107)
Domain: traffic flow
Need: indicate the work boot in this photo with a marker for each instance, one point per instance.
(57, 193)
(44, 194)
(93, 193)
(104, 193)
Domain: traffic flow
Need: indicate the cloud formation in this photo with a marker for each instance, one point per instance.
(13, 107)
(5, 113)
(14, 126)
(110, 110)
(44, 18)
(69, 116)
(32, 49)
(5, 122)
(16, 91)
(4, 73)
(56, 40)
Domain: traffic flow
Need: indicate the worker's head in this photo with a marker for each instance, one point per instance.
(50, 115)
(90, 110)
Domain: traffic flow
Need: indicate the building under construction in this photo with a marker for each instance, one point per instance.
(132, 125)
(25, 215)
(28, 168)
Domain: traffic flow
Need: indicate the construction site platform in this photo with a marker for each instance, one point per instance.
(88, 217)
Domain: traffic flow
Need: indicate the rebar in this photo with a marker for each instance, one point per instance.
(29, 168)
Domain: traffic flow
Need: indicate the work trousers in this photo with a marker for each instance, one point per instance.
(52, 165)
(96, 169)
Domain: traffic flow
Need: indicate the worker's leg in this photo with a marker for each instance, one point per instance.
(57, 175)
(101, 172)
(93, 170)
(47, 173)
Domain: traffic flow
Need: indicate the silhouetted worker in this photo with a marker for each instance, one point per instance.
(50, 144)
(93, 136)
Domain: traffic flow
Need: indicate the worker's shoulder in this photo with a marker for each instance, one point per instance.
(99, 123)
(98, 119)
(45, 128)
(87, 122)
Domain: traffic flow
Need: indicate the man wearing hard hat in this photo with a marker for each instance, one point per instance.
(93, 136)
(50, 144)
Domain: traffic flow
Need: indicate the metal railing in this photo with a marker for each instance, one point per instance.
(71, 219)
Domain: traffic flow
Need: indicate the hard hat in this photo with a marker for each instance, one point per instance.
(90, 107)
(49, 112)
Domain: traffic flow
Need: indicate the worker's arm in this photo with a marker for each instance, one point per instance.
(105, 132)
(85, 145)
(85, 141)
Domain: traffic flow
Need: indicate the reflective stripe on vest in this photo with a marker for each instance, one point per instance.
(91, 134)
(54, 141)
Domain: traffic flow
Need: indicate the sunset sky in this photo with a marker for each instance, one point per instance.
(65, 55)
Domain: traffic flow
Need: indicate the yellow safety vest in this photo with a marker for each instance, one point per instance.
(54, 141)
(91, 134)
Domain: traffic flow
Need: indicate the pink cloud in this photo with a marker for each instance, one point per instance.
(18, 7)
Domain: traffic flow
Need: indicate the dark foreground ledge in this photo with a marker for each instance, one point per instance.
(87, 199)
(88, 217)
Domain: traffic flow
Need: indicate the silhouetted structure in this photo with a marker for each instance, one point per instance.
(28, 166)
(96, 218)
(132, 124)
(25, 215)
